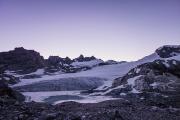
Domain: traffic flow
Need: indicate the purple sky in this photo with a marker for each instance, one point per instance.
(108, 29)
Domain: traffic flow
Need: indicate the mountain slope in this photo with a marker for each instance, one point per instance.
(105, 74)
(157, 82)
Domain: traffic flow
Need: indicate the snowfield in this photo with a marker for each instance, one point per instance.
(109, 72)
(87, 63)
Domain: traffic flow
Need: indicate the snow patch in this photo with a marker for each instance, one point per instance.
(37, 72)
(137, 70)
(149, 58)
(174, 58)
(41, 96)
(13, 73)
(90, 99)
(154, 84)
(175, 54)
(6, 78)
(118, 87)
(174, 62)
(166, 64)
(131, 81)
(87, 63)
(123, 94)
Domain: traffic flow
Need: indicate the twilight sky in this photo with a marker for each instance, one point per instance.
(108, 29)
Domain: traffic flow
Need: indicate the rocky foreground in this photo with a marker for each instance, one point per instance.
(11, 109)
(141, 106)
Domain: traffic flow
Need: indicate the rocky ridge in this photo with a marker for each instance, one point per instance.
(156, 82)
(24, 61)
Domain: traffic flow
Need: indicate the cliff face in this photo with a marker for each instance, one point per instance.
(25, 61)
(9, 95)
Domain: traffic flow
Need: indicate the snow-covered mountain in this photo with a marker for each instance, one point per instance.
(81, 63)
(103, 78)
(22, 61)
(157, 81)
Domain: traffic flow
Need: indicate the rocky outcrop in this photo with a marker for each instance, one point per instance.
(6, 94)
(56, 60)
(81, 58)
(158, 67)
(168, 51)
(156, 83)
(21, 60)
(56, 63)
(159, 80)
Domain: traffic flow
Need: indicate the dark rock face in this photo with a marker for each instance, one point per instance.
(7, 93)
(56, 63)
(81, 58)
(168, 51)
(21, 59)
(55, 60)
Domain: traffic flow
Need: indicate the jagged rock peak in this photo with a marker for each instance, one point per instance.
(23, 50)
(54, 60)
(19, 48)
(167, 51)
(81, 58)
